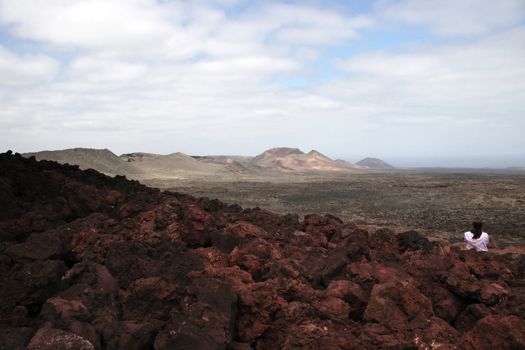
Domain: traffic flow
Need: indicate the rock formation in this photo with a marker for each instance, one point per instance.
(93, 262)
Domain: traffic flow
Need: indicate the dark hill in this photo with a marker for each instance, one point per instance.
(102, 160)
(93, 262)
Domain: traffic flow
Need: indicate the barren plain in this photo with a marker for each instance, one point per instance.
(437, 204)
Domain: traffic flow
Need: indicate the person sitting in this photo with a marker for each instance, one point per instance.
(476, 238)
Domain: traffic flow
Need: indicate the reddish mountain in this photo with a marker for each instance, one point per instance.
(294, 160)
(93, 262)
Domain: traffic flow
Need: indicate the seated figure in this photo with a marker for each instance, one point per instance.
(476, 238)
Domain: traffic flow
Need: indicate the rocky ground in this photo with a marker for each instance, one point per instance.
(92, 262)
(441, 205)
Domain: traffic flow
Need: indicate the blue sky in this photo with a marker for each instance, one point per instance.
(417, 82)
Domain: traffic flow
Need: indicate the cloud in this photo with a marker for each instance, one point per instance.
(210, 77)
(16, 70)
(456, 94)
(305, 25)
(97, 24)
(492, 67)
(456, 17)
(100, 70)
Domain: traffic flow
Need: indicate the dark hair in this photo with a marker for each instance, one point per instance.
(477, 228)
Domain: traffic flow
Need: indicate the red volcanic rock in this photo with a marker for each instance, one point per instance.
(234, 233)
(208, 318)
(37, 247)
(470, 315)
(92, 262)
(59, 308)
(325, 225)
(258, 303)
(149, 298)
(446, 304)
(493, 293)
(15, 337)
(496, 332)
(396, 305)
(352, 293)
(436, 334)
(413, 240)
(56, 339)
(132, 335)
(332, 308)
(196, 226)
(243, 229)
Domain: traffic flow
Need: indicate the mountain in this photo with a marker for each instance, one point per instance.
(294, 160)
(345, 163)
(235, 164)
(375, 163)
(239, 159)
(175, 164)
(102, 160)
(269, 157)
(131, 157)
(142, 166)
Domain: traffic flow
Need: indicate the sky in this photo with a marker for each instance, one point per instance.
(414, 82)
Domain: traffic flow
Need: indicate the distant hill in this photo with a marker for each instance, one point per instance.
(236, 164)
(167, 162)
(375, 163)
(142, 166)
(240, 159)
(345, 163)
(177, 165)
(269, 157)
(293, 159)
(102, 160)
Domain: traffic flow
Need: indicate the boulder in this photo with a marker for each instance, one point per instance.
(55, 339)
(37, 247)
(496, 332)
(132, 335)
(355, 297)
(413, 240)
(396, 305)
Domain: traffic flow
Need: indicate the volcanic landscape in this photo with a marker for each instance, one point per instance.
(91, 261)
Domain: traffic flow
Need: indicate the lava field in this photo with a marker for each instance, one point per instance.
(93, 262)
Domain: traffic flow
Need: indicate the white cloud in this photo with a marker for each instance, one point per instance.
(94, 69)
(467, 97)
(92, 24)
(191, 76)
(16, 70)
(312, 26)
(456, 17)
(492, 68)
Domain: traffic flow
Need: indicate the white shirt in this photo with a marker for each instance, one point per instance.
(480, 243)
